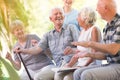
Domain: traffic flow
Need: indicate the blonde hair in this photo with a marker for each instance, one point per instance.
(16, 24)
(88, 14)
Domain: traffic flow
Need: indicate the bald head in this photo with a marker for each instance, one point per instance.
(108, 3)
(107, 9)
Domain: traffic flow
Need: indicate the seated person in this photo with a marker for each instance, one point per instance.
(109, 50)
(90, 32)
(34, 63)
(56, 40)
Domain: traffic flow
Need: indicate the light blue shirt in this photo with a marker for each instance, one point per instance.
(58, 41)
(71, 18)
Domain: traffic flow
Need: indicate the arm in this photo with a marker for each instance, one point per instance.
(33, 50)
(95, 55)
(73, 60)
(34, 40)
(69, 50)
(95, 38)
(16, 64)
(106, 48)
(74, 32)
(43, 45)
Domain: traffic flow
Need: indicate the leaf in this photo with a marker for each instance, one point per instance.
(0, 47)
(12, 73)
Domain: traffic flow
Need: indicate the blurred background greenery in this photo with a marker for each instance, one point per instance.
(35, 15)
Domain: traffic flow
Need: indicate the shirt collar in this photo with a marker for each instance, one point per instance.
(63, 28)
(112, 23)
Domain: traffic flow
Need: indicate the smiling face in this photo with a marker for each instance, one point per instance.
(18, 32)
(81, 21)
(57, 17)
(86, 17)
(17, 29)
(68, 3)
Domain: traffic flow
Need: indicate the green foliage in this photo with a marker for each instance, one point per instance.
(17, 10)
(0, 47)
(9, 10)
(12, 73)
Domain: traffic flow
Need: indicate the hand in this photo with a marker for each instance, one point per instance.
(34, 42)
(83, 43)
(18, 50)
(77, 51)
(67, 66)
(8, 56)
(82, 54)
(68, 50)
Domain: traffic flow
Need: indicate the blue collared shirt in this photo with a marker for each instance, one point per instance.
(58, 41)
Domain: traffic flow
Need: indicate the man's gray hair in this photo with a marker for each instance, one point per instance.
(57, 7)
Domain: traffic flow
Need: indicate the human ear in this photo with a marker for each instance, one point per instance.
(50, 18)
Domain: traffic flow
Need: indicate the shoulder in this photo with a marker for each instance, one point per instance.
(95, 29)
(31, 35)
(71, 26)
(48, 34)
(117, 20)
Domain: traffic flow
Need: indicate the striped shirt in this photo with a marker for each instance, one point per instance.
(111, 34)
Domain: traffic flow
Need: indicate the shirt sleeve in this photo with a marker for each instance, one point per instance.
(44, 42)
(74, 32)
(117, 35)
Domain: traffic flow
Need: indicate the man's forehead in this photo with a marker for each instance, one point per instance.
(56, 10)
(103, 1)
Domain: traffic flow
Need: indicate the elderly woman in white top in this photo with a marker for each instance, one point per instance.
(90, 32)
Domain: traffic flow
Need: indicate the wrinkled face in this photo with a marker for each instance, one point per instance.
(101, 9)
(57, 17)
(68, 3)
(81, 21)
(18, 32)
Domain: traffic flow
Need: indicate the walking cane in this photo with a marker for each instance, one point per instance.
(25, 66)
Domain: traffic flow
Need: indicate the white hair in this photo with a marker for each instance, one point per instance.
(88, 14)
(57, 7)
